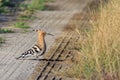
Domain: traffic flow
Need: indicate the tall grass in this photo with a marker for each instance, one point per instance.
(101, 48)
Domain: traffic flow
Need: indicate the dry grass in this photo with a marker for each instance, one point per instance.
(71, 26)
(101, 48)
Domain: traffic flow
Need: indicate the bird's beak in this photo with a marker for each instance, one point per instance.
(49, 34)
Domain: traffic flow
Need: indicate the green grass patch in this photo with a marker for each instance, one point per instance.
(6, 31)
(22, 25)
(36, 5)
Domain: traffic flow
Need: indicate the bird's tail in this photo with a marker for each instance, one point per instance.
(32, 51)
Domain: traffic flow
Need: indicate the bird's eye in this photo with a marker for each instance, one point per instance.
(35, 30)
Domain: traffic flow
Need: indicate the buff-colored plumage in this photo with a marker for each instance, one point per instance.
(41, 40)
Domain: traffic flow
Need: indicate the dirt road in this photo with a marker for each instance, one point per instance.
(53, 21)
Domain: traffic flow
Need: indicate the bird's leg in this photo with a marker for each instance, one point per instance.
(37, 56)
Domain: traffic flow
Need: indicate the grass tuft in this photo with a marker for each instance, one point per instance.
(21, 25)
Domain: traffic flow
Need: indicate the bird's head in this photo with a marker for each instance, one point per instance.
(41, 32)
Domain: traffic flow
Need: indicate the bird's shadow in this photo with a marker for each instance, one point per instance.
(46, 60)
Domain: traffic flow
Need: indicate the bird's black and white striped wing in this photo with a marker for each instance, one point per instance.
(35, 50)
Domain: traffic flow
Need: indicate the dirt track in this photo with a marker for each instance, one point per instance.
(52, 21)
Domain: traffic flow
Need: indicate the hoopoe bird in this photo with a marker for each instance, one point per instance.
(38, 49)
